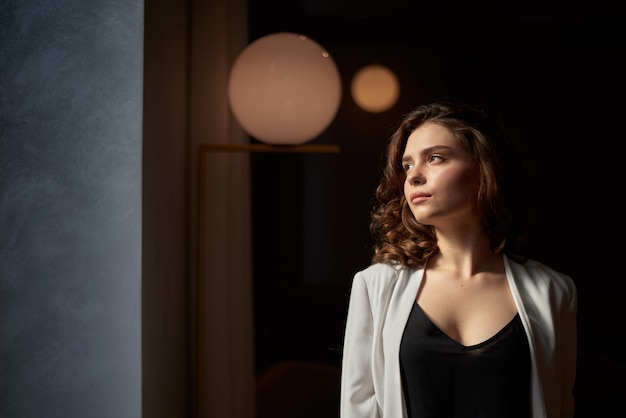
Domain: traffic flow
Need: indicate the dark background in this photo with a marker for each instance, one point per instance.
(554, 74)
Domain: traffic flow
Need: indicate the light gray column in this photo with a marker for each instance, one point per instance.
(70, 208)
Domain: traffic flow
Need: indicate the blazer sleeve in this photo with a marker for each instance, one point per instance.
(357, 397)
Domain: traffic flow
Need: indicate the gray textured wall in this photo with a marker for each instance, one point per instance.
(70, 208)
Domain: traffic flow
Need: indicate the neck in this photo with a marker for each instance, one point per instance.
(466, 255)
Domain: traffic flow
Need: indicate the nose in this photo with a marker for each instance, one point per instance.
(415, 177)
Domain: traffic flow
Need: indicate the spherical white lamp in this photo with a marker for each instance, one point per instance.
(284, 89)
(375, 88)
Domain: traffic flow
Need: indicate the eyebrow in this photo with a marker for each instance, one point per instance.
(427, 151)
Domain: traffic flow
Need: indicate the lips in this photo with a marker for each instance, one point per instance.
(418, 197)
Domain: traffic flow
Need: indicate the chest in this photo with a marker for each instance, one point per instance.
(468, 311)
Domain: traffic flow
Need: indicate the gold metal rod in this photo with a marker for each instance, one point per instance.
(270, 148)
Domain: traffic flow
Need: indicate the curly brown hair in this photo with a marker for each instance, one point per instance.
(400, 238)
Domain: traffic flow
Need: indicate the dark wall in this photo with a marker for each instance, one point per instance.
(166, 382)
(558, 84)
(70, 208)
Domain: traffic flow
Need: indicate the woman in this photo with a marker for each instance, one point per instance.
(451, 319)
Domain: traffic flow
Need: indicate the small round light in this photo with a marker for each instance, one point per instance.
(375, 88)
(284, 89)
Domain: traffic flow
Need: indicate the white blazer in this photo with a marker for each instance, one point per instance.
(381, 299)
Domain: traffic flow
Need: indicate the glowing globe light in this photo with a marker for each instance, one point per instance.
(284, 89)
(375, 88)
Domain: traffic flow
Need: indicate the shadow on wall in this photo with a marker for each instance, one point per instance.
(600, 388)
(295, 389)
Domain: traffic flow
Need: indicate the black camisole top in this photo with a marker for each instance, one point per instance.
(442, 378)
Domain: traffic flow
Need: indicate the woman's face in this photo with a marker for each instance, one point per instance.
(441, 181)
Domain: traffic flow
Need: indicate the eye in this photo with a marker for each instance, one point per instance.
(407, 166)
(436, 157)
